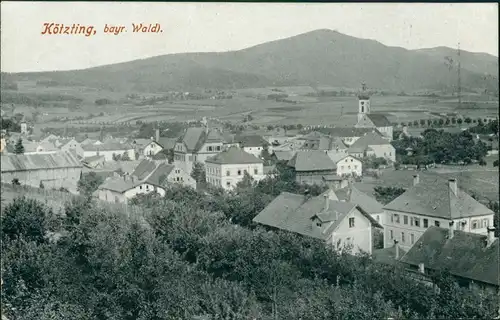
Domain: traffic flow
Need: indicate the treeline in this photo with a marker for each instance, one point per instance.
(453, 121)
(438, 146)
(185, 260)
(39, 99)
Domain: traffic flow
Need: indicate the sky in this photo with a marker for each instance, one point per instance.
(207, 27)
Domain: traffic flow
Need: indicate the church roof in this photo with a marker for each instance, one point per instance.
(379, 120)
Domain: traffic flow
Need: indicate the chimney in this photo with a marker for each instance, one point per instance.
(453, 186)
(491, 236)
(421, 268)
(157, 135)
(416, 179)
(327, 202)
(396, 246)
(451, 230)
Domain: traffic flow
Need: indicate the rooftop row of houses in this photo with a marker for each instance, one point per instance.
(434, 223)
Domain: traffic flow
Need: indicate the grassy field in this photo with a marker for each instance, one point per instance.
(306, 110)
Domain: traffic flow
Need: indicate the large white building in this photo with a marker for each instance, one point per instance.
(228, 168)
(432, 201)
(197, 145)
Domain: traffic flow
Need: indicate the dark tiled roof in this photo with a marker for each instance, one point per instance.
(284, 155)
(312, 160)
(194, 138)
(167, 143)
(294, 213)
(233, 155)
(24, 162)
(465, 255)
(149, 171)
(251, 141)
(368, 203)
(379, 120)
(118, 184)
(387, 255)
(433, 197)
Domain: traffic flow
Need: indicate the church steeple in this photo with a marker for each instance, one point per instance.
(363, 102)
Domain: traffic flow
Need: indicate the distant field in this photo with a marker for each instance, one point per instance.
(306, 110)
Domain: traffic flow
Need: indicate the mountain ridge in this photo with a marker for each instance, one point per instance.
(320, 57)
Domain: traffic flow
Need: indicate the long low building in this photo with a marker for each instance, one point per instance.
(53, 170)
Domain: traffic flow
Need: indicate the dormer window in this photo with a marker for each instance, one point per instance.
(318, 224)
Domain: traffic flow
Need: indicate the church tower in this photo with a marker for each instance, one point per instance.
(363, 103)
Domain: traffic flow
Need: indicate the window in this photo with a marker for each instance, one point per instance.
(228, 173)
(255, 171)
(417, 222)
(351, 222)
(474, 224)
(228, 184)
(402, 237)
(436, 223)
(342, 167)
(391, 234)
(239, 172)
(140, 187)
(348, 167)
(405, 219)
(217, 148)
(426, 223)
(412, 238)
(210, 148)
(396, 218)
(392, 218)
(345, 160)
(485, 223)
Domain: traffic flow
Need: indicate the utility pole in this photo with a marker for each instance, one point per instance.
(459, 85)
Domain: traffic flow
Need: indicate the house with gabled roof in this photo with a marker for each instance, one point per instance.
(71, 144)
(338, 223)
(149, 176)
(433, 201)
(346, 165)
(352, 194)
(373, 145)
(197, 144)
(471, 258)
(253, 144)
(229, 167)
(311, 166)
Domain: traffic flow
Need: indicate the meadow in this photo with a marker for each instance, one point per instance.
(302, 107)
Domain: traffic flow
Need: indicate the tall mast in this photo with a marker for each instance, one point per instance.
(459, 86)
